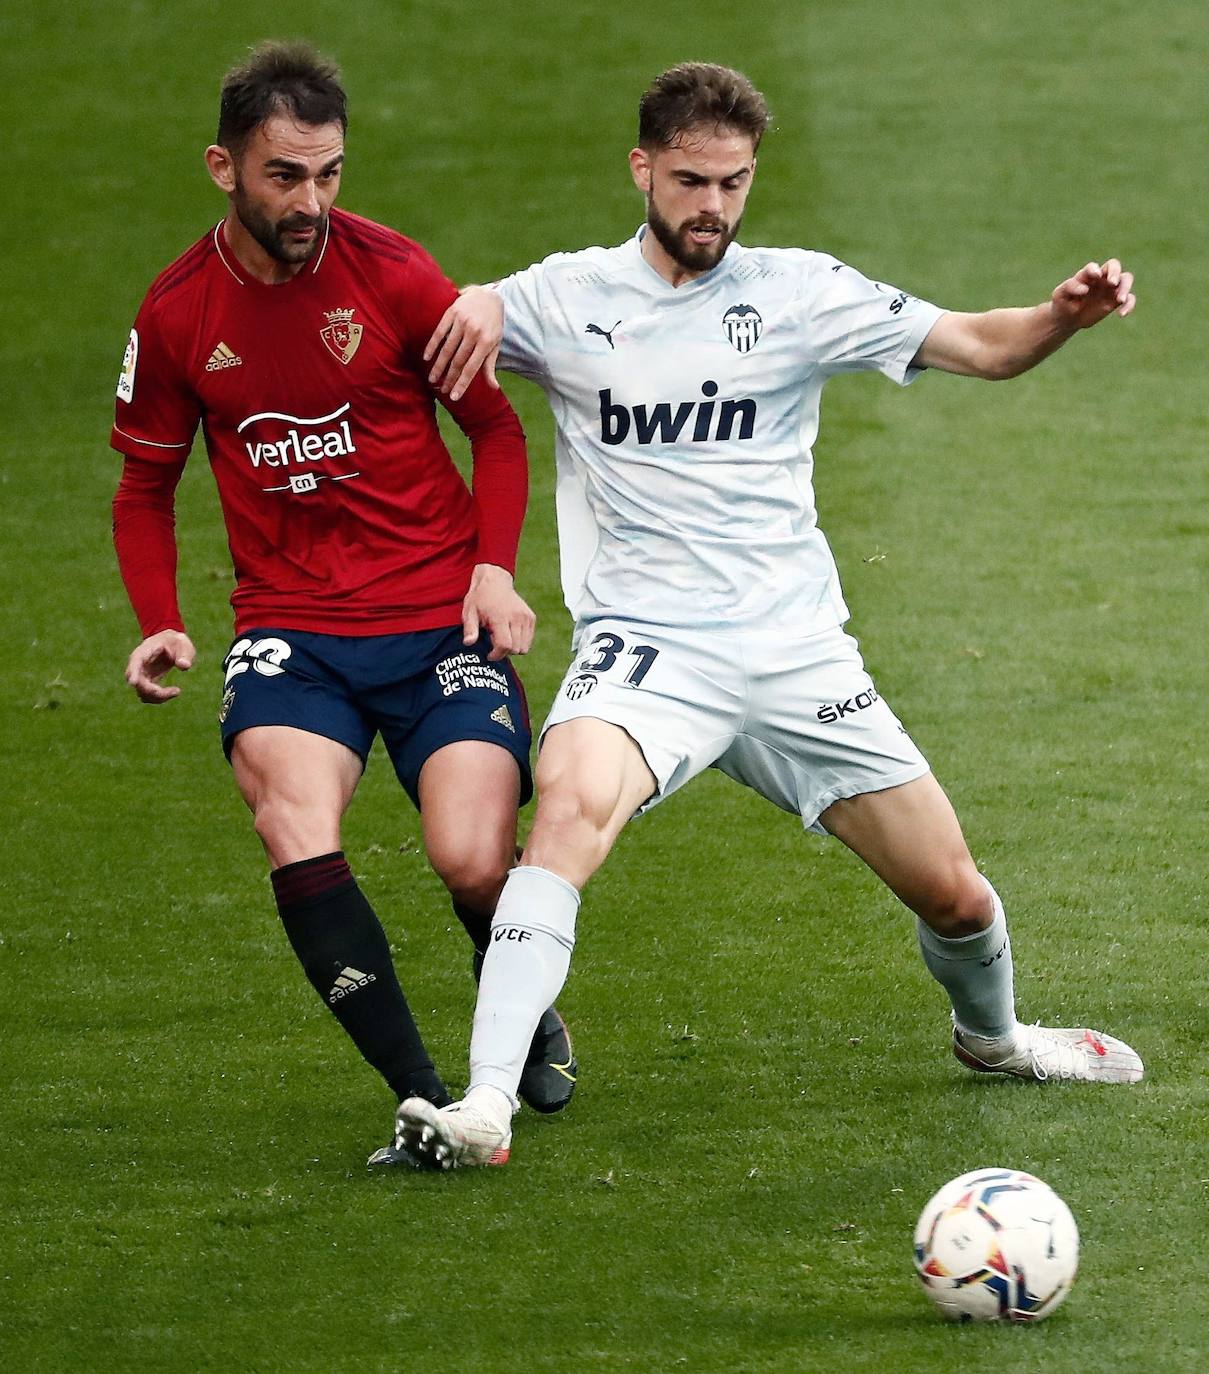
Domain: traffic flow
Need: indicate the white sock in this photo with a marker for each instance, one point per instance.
(532, 936)
(976, 972)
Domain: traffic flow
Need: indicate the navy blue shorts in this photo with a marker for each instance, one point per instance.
(419, 691)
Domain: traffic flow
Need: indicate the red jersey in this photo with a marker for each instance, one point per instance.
(345, 513)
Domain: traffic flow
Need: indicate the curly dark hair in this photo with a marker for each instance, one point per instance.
(290, 78)
(696, 95)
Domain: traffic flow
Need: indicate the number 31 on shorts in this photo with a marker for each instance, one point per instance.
(606, 649)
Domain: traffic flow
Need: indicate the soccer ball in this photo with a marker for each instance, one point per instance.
(996, 1245)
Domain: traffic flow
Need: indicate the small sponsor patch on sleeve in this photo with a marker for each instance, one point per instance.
(129, 362)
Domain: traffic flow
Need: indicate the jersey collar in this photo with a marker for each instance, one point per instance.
(700, 283)
(233, 265)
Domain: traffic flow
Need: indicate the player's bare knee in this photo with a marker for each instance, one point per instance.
(569, 811)
(291, 833)
(268, 822)
(474, 879)
(956, 903)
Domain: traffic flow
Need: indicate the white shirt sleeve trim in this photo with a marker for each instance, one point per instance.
(149, 442)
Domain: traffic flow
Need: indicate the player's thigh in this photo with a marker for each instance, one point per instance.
(434, 692)
(296, 740)
(278, 762)
(594, 770)
(676, 697)
(910, 837)
(591, 779)
(818, 730)
(469, 792)
(297, 786)
(286, 710)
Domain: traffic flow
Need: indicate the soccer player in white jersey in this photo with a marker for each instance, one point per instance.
(684, 372)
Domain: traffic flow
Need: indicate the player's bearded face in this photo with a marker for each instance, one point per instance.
(282, 184)
(696, 243)
(696, 189)
(291, 238)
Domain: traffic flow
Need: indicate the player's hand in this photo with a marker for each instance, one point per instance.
(157, 655)
(467, 338)
(1094, 293)
(492, 604)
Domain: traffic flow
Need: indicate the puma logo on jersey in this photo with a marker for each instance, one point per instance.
(223, 357)
(696, 422)
(604, 333)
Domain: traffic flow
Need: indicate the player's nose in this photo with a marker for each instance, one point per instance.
(308, 199)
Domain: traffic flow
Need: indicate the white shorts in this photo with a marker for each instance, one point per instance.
(797, 720)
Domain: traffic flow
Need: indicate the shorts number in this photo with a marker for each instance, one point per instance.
(265, 655)
(608, 647)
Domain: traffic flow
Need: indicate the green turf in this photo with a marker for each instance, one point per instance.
(767, 1097)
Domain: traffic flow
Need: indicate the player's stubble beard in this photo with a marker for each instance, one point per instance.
(271, 234)
(693, 257)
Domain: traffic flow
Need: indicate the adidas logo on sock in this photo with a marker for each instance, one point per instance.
(222, 357)
(350, 980)
(502, 715)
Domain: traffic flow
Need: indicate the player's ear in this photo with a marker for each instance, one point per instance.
(221, 166)
(640, 170)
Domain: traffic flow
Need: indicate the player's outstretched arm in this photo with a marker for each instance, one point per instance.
(493, 605)
(998, 344)
(467, 338)
(156, 656)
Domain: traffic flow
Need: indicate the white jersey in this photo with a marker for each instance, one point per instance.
(686, 417)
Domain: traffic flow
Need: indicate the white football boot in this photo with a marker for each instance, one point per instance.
(475, 1131)
(1045, 1052)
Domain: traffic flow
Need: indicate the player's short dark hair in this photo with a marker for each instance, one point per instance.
(695, 95)
(279, 78)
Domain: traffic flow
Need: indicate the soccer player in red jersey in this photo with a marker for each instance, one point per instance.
(373, 590)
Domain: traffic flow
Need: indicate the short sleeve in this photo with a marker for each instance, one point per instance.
(858, 325)
(523, 349)
(156, 412)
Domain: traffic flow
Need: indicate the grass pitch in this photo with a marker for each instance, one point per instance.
(767, 1095)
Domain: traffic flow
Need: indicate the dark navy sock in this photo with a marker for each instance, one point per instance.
(478, 927)
(344, 952)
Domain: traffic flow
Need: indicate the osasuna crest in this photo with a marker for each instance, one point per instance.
(743, 325)
(341, 335)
